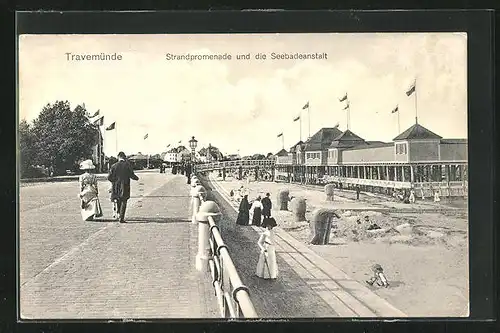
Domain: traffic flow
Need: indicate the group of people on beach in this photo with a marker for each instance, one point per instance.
(410, 196)
(260, 208)
(119, 175)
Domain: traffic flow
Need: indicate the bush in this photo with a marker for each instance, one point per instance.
(34, 172)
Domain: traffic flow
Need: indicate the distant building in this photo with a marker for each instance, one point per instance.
(170, 156)
(282, 157)
(416, 158)
(233, 157)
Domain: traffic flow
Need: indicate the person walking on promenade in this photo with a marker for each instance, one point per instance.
(267, 205)
(188, 169)
(244, 214)
(89, 192)
(120, 174)
(257, 211)
(358, 190)
(267, 267)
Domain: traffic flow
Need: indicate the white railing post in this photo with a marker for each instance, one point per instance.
(207, 209)
(196, 191)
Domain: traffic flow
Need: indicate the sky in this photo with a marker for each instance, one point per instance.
(242, 105)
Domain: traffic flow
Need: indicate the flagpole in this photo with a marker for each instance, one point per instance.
(399, 128)
(104, 144)
(101, 142)
(416, 112)
(147, 160)
(116, 138)
(300, 124)
(283, 141)
(348, 115)
(309, 116)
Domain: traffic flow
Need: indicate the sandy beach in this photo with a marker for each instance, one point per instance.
(423, 247)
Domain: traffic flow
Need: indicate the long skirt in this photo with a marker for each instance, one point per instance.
(267, 267)
(243, 218)
(91, 209)
(257, 217)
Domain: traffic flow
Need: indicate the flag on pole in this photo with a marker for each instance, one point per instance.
(306, 106)
(396, 109)
(100, 121)
(111, 127)
(168, 145)
(279, 135)
(336, 125)
(297, 118)
(95, 114)
(180, 141)
(346, 107)
(146, 136)
(343, 98)
(411, 90)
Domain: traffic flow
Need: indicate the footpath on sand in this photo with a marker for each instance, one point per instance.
(140, 269)
(307, 285)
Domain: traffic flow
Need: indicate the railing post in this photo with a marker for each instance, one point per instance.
(196, 191)
(207, 208)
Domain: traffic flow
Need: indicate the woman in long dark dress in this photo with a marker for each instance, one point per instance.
(257, 212)
(244, 211)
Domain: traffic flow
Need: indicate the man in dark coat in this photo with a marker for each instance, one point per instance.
(120, 174)
(266, 206)
(188, 172)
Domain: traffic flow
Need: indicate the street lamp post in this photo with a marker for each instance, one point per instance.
(193, 143)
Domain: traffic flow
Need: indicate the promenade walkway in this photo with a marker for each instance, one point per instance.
(307, 286)
(144, 268)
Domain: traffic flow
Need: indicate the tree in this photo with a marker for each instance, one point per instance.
(63, 137)
(26, 149)
(258, 157)
(269, 155)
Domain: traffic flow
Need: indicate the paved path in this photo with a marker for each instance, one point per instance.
(103, 269)
(307, 285)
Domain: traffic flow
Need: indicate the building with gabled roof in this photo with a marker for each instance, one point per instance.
(417, 132)
(416, 158)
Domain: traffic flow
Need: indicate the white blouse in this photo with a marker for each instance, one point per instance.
(256, 204)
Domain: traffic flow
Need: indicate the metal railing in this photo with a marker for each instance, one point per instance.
(232, 295)
(235, 163)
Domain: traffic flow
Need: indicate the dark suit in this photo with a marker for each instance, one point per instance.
(267, 205)
(188, 173)
(120, 174)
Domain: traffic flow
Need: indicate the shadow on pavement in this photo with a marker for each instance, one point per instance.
(289, 295)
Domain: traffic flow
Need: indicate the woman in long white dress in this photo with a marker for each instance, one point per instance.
(89, 193)
(267, 267)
